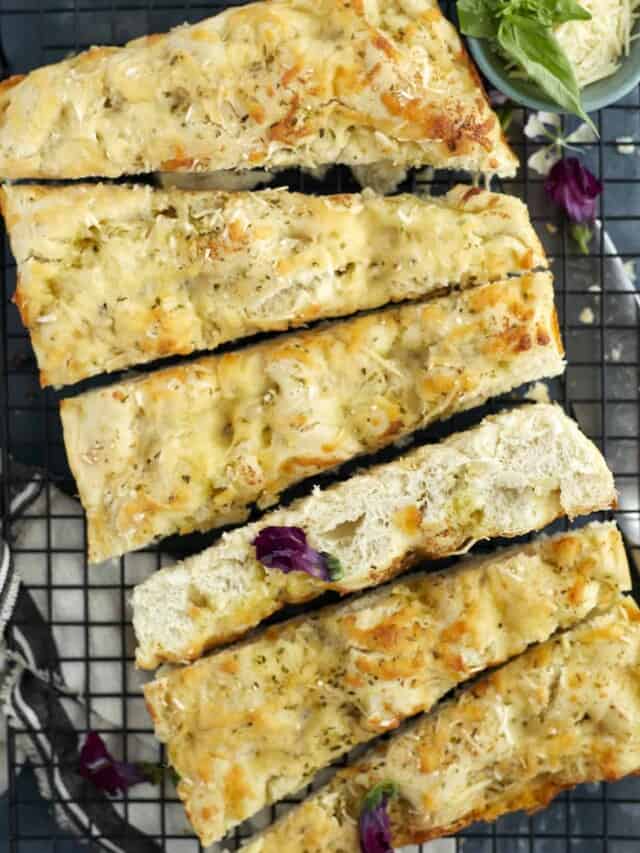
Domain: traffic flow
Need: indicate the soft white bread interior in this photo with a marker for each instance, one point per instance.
(514, 472)
(344, 674)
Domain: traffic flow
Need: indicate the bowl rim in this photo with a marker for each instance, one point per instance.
(479, 49)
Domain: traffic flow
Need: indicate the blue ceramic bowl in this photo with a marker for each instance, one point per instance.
(594, 97)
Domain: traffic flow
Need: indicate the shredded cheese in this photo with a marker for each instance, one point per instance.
(596, 47)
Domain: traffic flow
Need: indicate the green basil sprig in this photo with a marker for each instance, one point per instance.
(523, 32)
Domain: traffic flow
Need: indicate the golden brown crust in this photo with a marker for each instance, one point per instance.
(563, 713)
(193, 446)
(281, 83)
(346, 673)
(9, 82)
(536, 797)
(20, 300)
(115, 276)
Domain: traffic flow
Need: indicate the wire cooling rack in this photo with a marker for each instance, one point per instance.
(599, 313)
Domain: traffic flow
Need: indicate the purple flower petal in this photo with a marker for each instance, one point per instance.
(573, 188)
(286, 548)
(497, 98)
(103, 770)
(375, 827)
(375, 831)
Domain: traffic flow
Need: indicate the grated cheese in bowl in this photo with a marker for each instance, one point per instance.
(596, 47)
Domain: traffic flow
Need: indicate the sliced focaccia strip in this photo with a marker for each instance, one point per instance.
(191, 447)
(112, 276)
(513, 473)
(283, 83)
(564, 713)
(254, 723)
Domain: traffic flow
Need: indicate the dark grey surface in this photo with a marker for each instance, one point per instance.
(602, 382)
(36, 812)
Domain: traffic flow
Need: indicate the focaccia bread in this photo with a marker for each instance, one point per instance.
(112, 276)
(254, 723)
(193, 446)
(564, 713)
(513, 473)
(272, 84)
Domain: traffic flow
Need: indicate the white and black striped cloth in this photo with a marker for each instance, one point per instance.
(44, 704)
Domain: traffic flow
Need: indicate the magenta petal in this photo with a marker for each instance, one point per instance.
(497, 98)
(286, 548)
(375, 829)
(98, 766)
(573, 188)
(129, 773)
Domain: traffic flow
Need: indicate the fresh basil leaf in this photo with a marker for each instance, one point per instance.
(560, 11)
(536, 50)
(536, 10)
(477, 18)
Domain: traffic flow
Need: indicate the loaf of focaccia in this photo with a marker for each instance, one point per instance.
(112, 276)
(254, 723)
(279, 83)
(191, 447)
(565, 712)
(513, 473)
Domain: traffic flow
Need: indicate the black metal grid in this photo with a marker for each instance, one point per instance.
(600, 388)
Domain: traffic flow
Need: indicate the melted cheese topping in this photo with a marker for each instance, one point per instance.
(564, 713)
(191, 447)
(513, 473)
(111, 276)
(280, 83)
(272, 712)
(596, 48)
